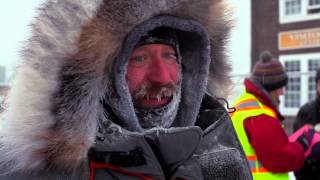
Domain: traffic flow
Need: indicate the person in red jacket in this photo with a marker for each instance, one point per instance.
(257, 121)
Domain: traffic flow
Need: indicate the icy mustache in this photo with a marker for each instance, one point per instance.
(150, 91)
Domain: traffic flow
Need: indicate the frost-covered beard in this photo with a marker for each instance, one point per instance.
(158, 117)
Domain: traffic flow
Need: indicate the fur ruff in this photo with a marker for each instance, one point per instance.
(51, 120)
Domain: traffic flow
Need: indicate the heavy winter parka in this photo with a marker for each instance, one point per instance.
(70, 108)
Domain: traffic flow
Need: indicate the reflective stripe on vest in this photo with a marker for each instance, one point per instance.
(247, 105)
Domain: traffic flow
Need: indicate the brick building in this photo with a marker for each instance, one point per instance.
(290, 30)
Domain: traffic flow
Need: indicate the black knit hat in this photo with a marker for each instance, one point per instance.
(161, 35)
(269, 72)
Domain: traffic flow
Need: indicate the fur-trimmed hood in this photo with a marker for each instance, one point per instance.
(54, 104)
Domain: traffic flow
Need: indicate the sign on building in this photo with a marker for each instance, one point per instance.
(299, 39)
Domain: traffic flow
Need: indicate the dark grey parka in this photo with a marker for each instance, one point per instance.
(70, 105)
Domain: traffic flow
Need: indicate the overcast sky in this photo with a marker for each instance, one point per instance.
(240, 44)
(16, 15)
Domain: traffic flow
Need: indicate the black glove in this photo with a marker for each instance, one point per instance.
(305, 138)
(310, 169)
(315, 153)
(175, 149)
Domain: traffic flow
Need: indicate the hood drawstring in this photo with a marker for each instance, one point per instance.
(230, 109)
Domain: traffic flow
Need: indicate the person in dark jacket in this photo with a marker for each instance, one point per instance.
(309, 113)
(123, 89)
(257, 121)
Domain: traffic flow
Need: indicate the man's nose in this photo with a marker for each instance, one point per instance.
(159, 72)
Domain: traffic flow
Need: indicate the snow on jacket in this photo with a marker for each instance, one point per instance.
(76, 60)
(269, 139)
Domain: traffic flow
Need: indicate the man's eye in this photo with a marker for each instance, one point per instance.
(137, 61)
(170, 57)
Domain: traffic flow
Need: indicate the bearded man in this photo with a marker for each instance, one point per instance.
(123, 89)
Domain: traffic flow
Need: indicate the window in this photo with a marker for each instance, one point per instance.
(314, 7)
(292, 7)
(292, 90)
(298, 10)
(314, 2)
(301, 85)
(313, 65)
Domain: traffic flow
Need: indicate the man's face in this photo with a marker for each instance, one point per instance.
(152, 75)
